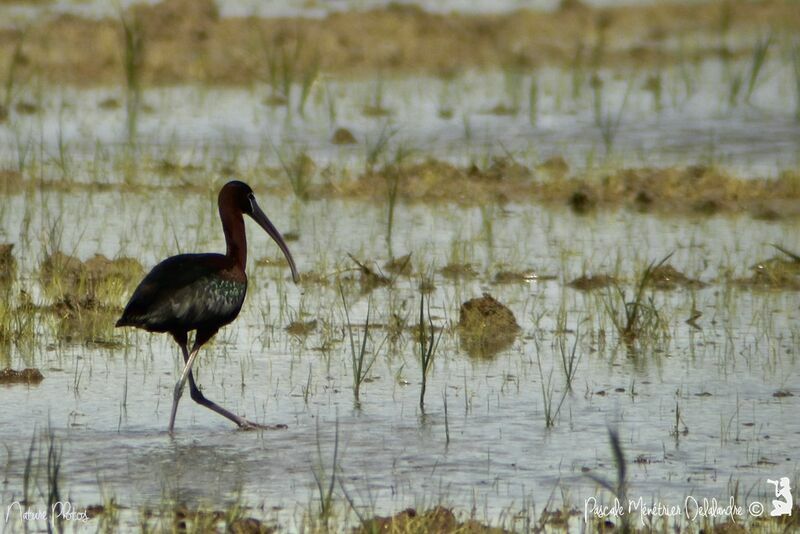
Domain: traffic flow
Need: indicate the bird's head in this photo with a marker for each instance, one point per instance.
(239, 196)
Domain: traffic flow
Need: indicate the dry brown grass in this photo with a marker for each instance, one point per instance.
(682, 190)
(187, 41)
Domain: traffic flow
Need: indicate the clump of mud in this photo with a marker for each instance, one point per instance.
(343, 136)
(775, 273)
(555, 167)
(486, 326)
(66, 276)
(301, 328)
(26, 376)
(10, 181)
(438, 519)
(185, 519)
(8, 264)
(666, 277)
(519, 277)
(456, 271)
(591, 282)
(670, 190)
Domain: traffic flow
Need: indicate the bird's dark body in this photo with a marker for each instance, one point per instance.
(187, 292)
(202, 292)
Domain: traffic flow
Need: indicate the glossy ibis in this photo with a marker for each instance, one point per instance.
(202, 292)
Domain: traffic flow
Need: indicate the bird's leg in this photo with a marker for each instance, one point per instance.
(199, 398)
(181, 339)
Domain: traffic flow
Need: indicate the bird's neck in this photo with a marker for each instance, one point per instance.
(235, 238)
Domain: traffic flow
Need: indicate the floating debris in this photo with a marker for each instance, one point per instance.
(29, 376)
(486, 326)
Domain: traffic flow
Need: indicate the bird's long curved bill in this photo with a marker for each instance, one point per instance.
(273, 232)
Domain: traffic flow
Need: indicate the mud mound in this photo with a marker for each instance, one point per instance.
(486, 326)
(26, 376)
(667, 277)
(8, 264)
(455, 271)
(68, 276)
(519, 277)
(591, 282)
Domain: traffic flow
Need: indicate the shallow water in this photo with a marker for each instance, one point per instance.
(108, 406)
(292, 8)
(190, 125)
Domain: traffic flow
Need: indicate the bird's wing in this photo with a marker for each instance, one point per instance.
(180, 293)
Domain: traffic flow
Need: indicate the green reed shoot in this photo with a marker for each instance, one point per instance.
(17, 59)
(606, 121)
(551, 411)
(796, 69)
(299, 170)
(620, 488)
(756, 64)
(393, 174)
(325, 487)
(54, 454)
(533, 101)
(358, 363)
(376, 147)
(569, 356)
(428, 342)
(308, 78)
(133, 44)
(637, 319)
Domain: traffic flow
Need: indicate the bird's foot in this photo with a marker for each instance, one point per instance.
(244, 424)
